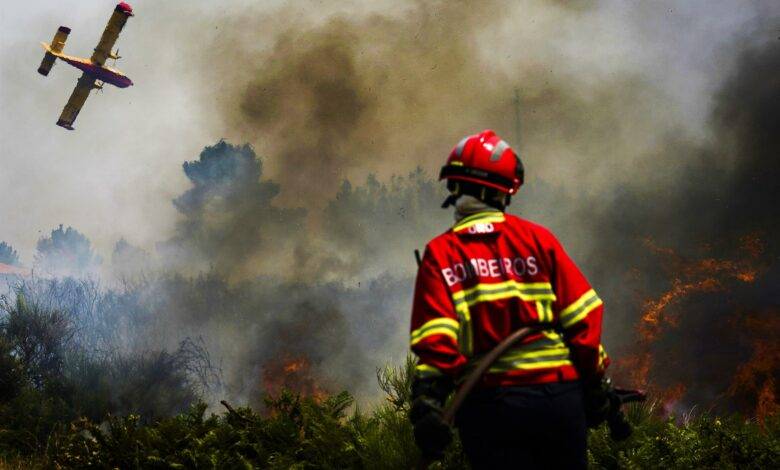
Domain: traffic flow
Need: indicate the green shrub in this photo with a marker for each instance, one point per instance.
(62, 407)
(702, 441)
(303, 433)
(48, 379)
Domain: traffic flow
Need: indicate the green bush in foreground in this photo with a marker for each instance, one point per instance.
(302, 433)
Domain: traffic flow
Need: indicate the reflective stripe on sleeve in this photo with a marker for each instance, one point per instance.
(580, 308)
(437, 326)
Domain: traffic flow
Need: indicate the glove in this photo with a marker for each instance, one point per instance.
(619, 428)
(597, 401)
(431, 433)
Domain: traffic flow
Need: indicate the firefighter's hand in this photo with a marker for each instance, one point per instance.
(597, 401)
(431, 433)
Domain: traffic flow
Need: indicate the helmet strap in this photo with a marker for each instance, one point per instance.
(450, 201)
(454, 195)
(489, 196)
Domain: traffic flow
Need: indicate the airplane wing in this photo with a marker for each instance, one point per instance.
(77, 99)
(115, 24)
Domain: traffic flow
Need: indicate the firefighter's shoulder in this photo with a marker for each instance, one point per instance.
(440, 241)
(441, 245)
(526, 227)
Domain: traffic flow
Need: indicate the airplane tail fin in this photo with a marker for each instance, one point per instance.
(56, 46)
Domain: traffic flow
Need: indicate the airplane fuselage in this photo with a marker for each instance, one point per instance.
(104, 74)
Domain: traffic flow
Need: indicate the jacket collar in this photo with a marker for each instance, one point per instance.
(484, 222)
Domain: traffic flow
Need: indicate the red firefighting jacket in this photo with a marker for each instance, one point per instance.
(488, 276)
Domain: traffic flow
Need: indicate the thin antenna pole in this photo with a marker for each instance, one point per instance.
(517, 119)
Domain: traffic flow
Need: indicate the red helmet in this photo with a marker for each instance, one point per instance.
(486, 160)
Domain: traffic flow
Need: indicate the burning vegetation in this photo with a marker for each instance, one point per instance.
(708, 284)
(291, 374)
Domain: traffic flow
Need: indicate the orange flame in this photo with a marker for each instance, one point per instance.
(658, 315)
(767, 402)
(706, 275)
(294, 374)
(756, 377)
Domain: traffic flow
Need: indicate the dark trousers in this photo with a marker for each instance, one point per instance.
(537, 426)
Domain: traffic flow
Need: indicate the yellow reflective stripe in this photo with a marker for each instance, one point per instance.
(580, 308)
(498, 369)
(602, 356)
(548, 351)
(531, 288)
(481, 218)
(437, 326)
(462, 300)
(544, 310)
(530, 291)
(552, 339)
(512, 355)
(541, 312)
(465, 341)
(479, 215)
(520, 359)
(461, 227)
(424, 370)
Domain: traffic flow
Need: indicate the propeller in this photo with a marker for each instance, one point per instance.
(115, 55)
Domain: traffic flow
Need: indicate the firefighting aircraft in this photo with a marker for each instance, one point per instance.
(96, 73)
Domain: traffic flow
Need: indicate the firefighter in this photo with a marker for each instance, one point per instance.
(489, 275)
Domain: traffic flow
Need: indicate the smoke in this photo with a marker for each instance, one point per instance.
(228, 215)
(613, 158)
(641, 126)
(713, 250)
(378, 92)
(616, 168)
(65, 252)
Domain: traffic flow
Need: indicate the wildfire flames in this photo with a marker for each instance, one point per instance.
(707, 275)
(754, 381)
(291, 373)
(752, 388)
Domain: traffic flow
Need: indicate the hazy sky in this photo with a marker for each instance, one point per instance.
(116, 174)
